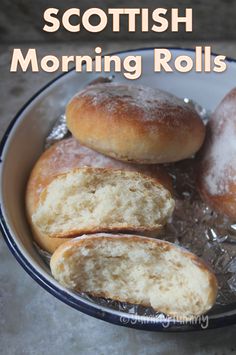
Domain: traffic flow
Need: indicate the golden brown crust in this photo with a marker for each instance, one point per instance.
(44, 242)
(100, 229)
(88, 241)
(216, 170)
(64, 156)
(211, 276)
(225, 204)
(157, 128)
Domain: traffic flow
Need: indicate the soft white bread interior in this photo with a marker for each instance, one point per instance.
(87, 200)
(138, 270)
(64, 156)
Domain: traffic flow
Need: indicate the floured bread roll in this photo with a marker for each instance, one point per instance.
(135, 123)
(87, 200)
(138, 270)
(68, 154)
(217, 169)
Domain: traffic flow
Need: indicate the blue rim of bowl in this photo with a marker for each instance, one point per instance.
(118, 318)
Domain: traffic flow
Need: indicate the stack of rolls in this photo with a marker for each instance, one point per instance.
(98, 195)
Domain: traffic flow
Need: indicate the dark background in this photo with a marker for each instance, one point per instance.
(21, 21)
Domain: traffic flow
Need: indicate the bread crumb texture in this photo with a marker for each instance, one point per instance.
(87, 200)
(137, 270)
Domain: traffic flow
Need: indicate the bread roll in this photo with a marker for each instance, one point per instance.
(217, 168)
(135, 123)
(61, 158)
(138, 270)
(87, 200)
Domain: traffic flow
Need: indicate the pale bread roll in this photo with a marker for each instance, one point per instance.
(217, 168)
(135, 123)
(88, 200)
(138, 270)
(68, 154)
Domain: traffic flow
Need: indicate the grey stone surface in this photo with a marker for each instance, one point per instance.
(32, 322)
(22, 20)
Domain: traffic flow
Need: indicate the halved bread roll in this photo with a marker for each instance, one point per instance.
(68, 154)
(138, 270)
(60, 158)
(87, 200)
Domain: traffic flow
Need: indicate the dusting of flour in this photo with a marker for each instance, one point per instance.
(150, 102)
(222, 151)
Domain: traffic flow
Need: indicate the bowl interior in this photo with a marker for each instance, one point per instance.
(25, 141)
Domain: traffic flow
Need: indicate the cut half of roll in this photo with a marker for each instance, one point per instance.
(62, 157)
(88, 200)
(138, 270)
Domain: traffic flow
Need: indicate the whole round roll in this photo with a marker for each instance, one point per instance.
(135, 123)
(64, 156)
(217, 169)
